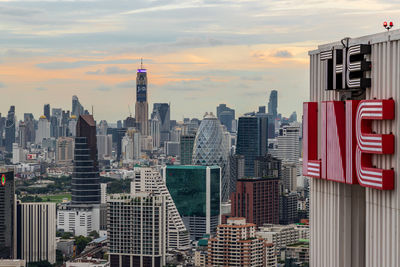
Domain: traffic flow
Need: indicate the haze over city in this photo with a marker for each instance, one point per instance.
(198, 53)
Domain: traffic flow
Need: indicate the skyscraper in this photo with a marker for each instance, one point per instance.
(85, 177)
(187, 143)
(257, 199)
(141, 106)
(150, 180)
(46, 111)
(273, 104)
(252, 140)
(289, 144)
(10, 129)
(77, 108)
(136, 230)
(162, 112)
(226, 115)
(196, 194)
(43, 130)
(210, 149)
(7, 207)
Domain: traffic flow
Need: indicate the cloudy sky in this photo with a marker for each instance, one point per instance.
(199, 53)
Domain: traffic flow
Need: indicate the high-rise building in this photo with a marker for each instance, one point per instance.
(289, 176)
(236, 165)
(131, 147)
(162, 112)
(252, 141)
(226, 115)
(36, 232)
(43, 130)
(210, 148)
(289, 144)
(141, 105)
(288, 208)
(273, 104)
(64, 150)
(77, 108)
(46, 111)
(236, 244)
(136, 230)
(10, 129)
(187, 143)
(267, 166)
(29, 128)
(256, 199)
(155, 131)
(195, 191)
(54, 126)
(104, 146)
(7, 214)
(85, 177)
(150, 180)
(22, 134)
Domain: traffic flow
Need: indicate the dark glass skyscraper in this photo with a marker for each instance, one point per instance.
(187, 142)
(252, 141)
(46, 111)
(195, 191)
(226, 115)
(10, 129)
(7, 208)
(162, 112)
(85, 177)
(273, 103)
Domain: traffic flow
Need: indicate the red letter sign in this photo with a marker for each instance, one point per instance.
(311, 166)
(368, 143)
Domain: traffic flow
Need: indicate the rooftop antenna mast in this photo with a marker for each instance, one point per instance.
(130, 113)
(92, 110)
(141, 63)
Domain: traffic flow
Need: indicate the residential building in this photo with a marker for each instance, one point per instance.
(236, 244)
(64, 150)
(150, 180)
(36, 232)
(288, 208)
(136, 230)
(279, 235)
(78, 219)
(257, 200)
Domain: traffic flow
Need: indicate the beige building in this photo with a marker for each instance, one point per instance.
(279, 235)
(236, 244)
(12, 263)
(64, 150)
(36, 232)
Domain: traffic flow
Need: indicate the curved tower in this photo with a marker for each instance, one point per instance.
(210, 148)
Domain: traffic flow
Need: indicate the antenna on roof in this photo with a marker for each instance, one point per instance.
(141, 63)
(92, 110)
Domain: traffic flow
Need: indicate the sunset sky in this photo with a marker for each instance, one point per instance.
(198, 53)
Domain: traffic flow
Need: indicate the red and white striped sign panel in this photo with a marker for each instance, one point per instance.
(369, 143)
(347, 142)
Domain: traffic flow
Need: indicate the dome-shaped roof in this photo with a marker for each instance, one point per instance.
(43, 117)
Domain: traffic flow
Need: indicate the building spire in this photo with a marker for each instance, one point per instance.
(141, 63)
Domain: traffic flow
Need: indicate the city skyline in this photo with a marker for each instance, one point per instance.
(236, 53)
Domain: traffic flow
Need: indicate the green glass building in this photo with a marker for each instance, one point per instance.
(196, 191)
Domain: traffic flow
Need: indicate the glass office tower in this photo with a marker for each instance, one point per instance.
(196, 191)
